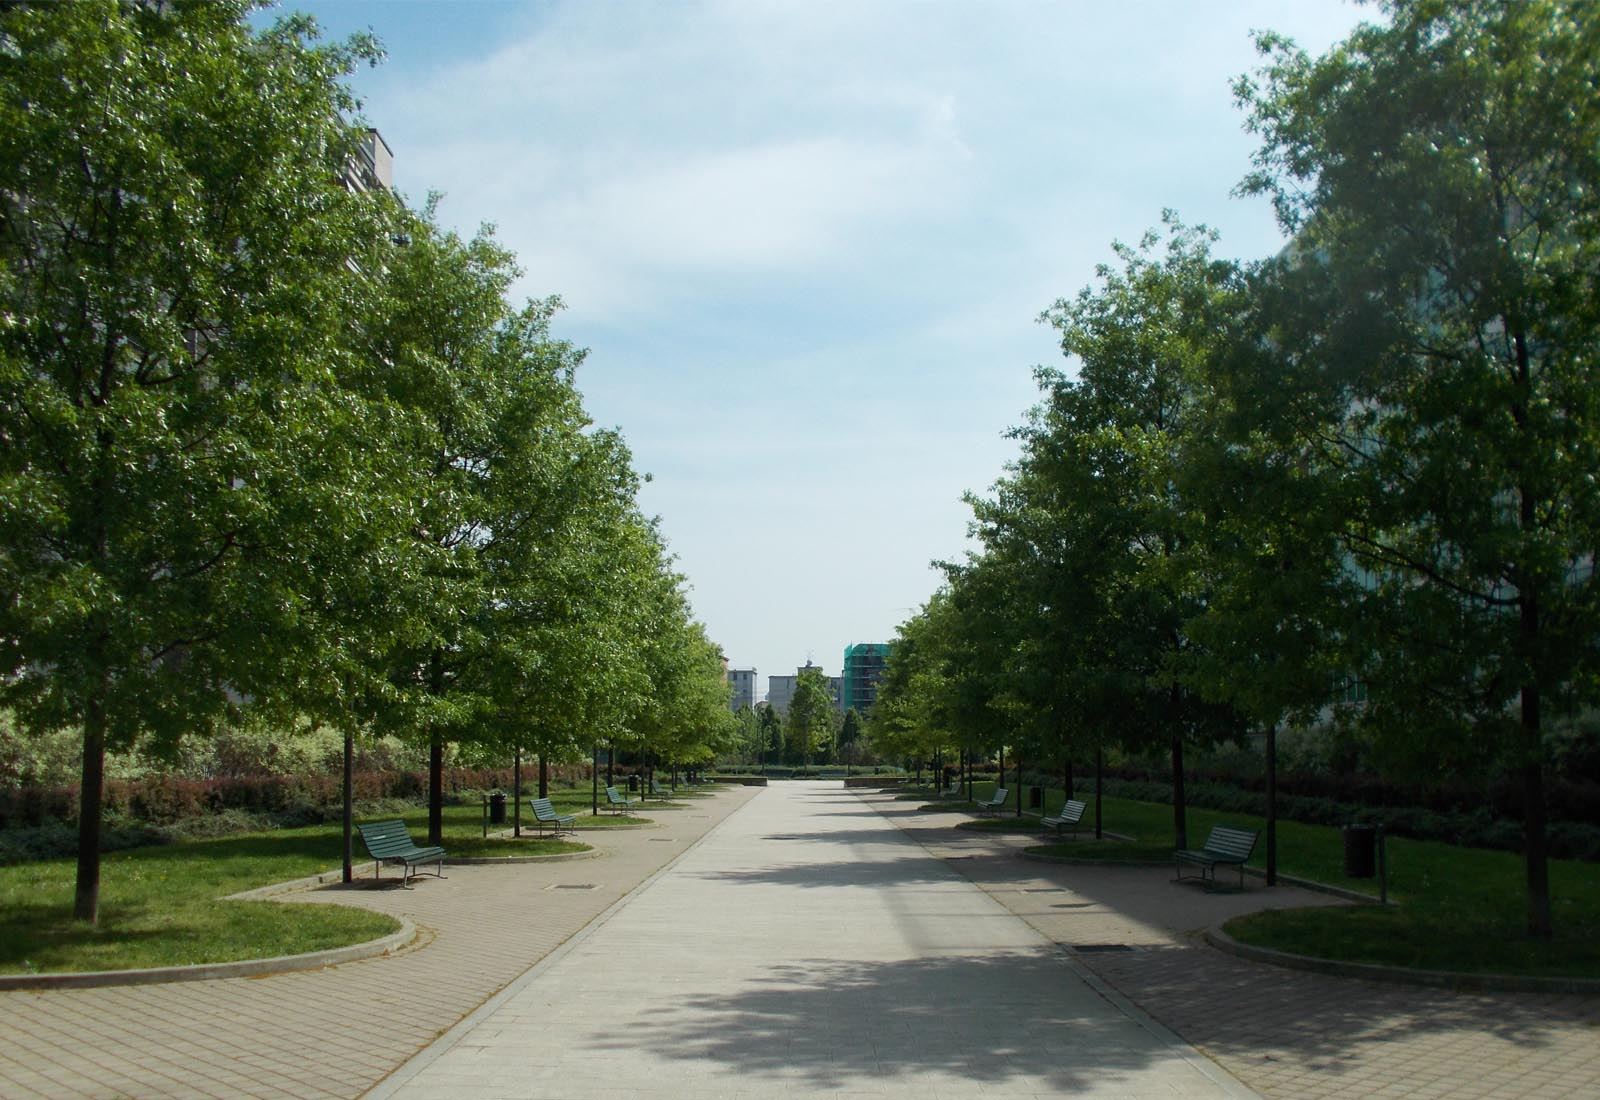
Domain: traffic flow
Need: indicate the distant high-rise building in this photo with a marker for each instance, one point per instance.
(780, 689)
(863, 668)
(743, 682)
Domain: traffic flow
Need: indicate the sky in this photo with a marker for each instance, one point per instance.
(807, 244)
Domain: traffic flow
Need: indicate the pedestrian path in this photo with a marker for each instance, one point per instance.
(306, 1035)
(1288, 1034)
(790, 941)
(808, 947)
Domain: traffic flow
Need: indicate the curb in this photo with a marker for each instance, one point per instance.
(496, 861)
(1074, 861)
(243, 968)
(1455, 980)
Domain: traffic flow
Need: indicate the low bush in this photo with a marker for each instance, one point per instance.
(1567, 839)
(167, 800)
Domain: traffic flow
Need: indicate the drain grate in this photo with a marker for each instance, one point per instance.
(661, 840)
(573, 886)
(1096, 948)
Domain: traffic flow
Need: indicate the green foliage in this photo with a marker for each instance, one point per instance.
(809, 727)
(1437, 328)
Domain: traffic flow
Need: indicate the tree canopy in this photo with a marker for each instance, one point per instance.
(274, 442)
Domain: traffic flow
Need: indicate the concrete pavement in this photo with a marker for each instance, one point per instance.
(799, 945)
(1288, 1034)
(808, 948)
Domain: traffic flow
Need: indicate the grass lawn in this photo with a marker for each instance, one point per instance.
(1460, 908)
(159, 907)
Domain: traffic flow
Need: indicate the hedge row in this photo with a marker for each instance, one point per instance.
(164, 801)
(1565, 799)
(1568, 839)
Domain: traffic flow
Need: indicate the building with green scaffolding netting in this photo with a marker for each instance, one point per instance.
(863, 667)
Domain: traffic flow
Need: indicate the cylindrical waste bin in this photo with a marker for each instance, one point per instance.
(633, 782)
(497, 809)
(1360, 848)
(1035, 798)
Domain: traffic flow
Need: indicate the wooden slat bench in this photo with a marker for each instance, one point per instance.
(544, 813)
(1071, 814)
(1226, 844)
(390, 842)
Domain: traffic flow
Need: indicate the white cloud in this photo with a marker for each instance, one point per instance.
(809, 237)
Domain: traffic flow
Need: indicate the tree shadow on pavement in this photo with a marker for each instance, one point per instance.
(1021, 1017)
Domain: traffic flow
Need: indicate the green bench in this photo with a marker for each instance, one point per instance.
(995, 803)
(616, 803)
(658, 791)
(1227, 844)
(1071, 814)
(390, 842)
(544, 813)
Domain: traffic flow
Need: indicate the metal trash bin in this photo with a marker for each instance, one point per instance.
(497, 809)
(633, 782)
(1360, 851)
(1035, 798)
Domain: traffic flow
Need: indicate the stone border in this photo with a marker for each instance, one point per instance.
(1073, 861)
(496, 861)
(242, 968)
(1455, 980)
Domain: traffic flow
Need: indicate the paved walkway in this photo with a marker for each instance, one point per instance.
(800, 944)
(809, 948)
(308, 1035)
(1288, 1034)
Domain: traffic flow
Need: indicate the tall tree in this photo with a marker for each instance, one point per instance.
(1439, 175)
(1100, 456)
(810, 720)
(178, 265)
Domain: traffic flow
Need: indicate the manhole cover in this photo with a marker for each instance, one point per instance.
(573, 886)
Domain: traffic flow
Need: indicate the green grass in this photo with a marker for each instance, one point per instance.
(1460, 908)
(159, 907)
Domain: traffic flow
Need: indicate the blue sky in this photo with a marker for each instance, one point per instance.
(807, 243)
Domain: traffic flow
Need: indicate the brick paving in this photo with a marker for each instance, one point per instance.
(1288, 1034)
(308, 1034)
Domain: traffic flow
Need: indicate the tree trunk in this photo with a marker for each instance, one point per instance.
(86, 900)
(1180, 808)
(1535, 842)
(1099, 821)
(347, 817)
(436, 791)
(1272, 804)
(1019, 784)
(1541, 925)
(516, 793)
(1066, 780)
(544, 777)
(436, 757)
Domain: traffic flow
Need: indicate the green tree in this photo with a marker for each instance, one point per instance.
(440, 342)
(809, 727)
(849, 737)
(178, 266)
(1440, 178)
(771, 732)
(749, 733)
(1095, 500)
